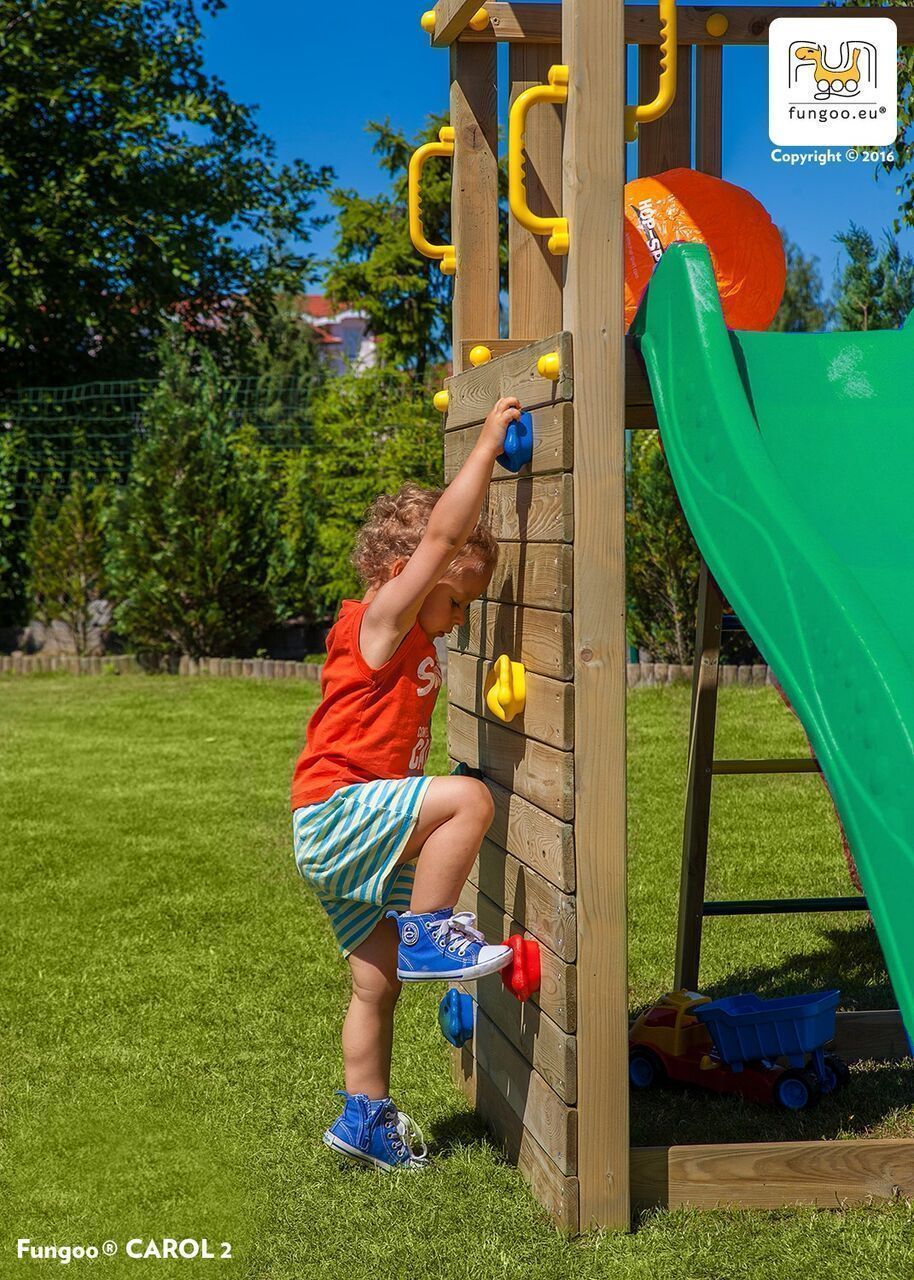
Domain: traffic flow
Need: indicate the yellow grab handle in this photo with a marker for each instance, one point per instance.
(445, 253)
(667, 90)
(556, 91)
(506, 688)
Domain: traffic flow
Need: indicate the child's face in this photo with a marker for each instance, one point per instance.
(445, 606)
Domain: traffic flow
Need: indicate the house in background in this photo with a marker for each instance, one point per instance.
(342, 332)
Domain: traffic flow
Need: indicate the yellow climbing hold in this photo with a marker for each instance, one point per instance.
(717, 24)
(479, 355)
(440, 401)
(549, 366)
(506, 688)
(427, 21)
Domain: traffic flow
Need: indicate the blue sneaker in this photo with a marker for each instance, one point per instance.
(377, 1133)
(444, 944)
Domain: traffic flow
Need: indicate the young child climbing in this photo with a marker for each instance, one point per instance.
(385, 849)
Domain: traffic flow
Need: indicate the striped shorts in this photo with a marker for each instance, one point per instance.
(347, 847)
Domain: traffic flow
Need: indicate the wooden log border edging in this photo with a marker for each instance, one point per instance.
(127, 664)
(639, 673)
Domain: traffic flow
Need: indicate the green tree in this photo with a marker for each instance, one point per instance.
(804, 308)
(372, 431)
(195, 528)
(406, 297)
(66, 555)
(132, 184)
(662, 560)
(876, 288)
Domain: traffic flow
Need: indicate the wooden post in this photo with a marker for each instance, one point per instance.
(474, 198)
(699, 780)
(534, 274)
(665, 143)
(594, 167)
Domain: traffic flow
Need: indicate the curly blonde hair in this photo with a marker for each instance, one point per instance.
(394, 527)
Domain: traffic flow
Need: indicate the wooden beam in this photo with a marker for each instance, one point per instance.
(709, 102)
(547, 913)
(542, 23)
(549, 712)
(473, 392)
(875, 1035)
(541, 637)
(557, 1193)
(451, 18)
(534, 274)
(535, 837)
(698, 781)
(532, 509)
(474, 190)
(771, 1175)
(594, 169)
(553, 443)
(538, 574)
(544, 1115)
(557, 996)
(541, 1042)
(665, 143)
(539, 773)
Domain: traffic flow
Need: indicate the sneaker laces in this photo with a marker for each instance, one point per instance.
(412, 1138)
(459, 927)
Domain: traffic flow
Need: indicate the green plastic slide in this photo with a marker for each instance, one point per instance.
(793, 457)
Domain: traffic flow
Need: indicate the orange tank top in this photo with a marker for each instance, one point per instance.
(371, 724)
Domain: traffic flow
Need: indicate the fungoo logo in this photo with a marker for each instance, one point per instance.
(832, 80)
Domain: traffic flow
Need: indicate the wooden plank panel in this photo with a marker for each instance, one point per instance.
(875, 1034)
(538, 574)
(546, 912)
(557, 996)
(543, 1113)
(537, 838)
(451, 17)
(473, 392)
(541, 1042)
(497, 346)
(557, 1193)
(537, 772)
(534, 274)
(709, 101)
(542, 23)
(541, 638)
(553, 443)
(665, 143)
(549, 712)
(474, 190)
(594, 167)
(770, 1175)
(532, 509)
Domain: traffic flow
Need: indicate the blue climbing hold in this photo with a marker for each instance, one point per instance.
(455, 1017)
(518, 444)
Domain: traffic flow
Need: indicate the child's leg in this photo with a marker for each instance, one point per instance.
(456, 813)
(368, 1029)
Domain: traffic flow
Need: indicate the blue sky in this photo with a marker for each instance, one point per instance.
(317, 80)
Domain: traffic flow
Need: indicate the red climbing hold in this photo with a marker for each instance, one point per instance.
(522, 975)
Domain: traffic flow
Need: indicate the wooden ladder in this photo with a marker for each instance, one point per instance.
(702, 769)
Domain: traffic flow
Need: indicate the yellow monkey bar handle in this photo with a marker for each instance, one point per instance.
(667, 90)
(445, 253)
(556, 92)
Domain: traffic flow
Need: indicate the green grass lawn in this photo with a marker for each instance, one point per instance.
(172, 998)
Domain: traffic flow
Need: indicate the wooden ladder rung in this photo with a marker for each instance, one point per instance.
(794, 764)
(778, 906)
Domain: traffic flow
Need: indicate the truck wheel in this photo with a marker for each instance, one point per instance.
(837, 1074)
(797, 1089)
(645, 1070)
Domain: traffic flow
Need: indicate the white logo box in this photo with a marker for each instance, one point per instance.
(832, 81)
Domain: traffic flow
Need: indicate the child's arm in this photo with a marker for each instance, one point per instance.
(394, 609)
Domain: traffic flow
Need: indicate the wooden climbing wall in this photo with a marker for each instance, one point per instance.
(521, 1069)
